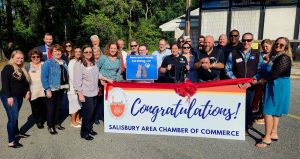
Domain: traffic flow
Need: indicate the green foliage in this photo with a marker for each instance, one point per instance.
(147, 33)
(110, 19)
(101, 25)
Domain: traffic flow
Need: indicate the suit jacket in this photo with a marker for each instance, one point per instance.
(44, 51)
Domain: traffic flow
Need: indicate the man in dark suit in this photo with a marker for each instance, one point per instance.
(45, 49)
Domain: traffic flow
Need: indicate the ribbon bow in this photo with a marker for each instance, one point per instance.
(186, 89)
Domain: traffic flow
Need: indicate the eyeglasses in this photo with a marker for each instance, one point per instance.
(280, 45)
(88, 52)
(234, 36)
(133, 46)
(68, 45)
(247, 40)
(186, 47)
(35, 57)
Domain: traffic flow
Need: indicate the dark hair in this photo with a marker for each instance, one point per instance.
(234, 30)
(248, 33)
(82, 58)
(201, 36)
(145, 45)
(48, 34)
(178, 40)
(173, 45)
(35, 52)
(64, 47)
(118, 54)
(187, 44)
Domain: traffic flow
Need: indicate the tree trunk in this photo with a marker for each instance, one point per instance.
(146, 12)
(9, 19)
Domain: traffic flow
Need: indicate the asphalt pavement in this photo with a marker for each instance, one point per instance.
(68, 144)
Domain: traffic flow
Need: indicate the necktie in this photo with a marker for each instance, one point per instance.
(49, 54)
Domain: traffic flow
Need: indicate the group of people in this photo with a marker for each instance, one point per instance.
(79, 74)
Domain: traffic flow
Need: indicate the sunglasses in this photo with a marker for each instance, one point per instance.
(181, 41)
(186, 47)
(280, 45)
(35, 57)
(88, 52)
(68, 45)
(133, 46)
(247, 40)
(234, 36)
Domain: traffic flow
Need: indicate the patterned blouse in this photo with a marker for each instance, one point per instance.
(110, 69)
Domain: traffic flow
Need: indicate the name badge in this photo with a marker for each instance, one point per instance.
(239, 60)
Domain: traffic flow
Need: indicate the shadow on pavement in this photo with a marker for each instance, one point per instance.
(255, 138)
(28, 125)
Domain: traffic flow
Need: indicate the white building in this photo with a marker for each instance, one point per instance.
(270, 19)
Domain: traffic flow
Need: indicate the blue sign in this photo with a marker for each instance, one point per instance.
(141, 67)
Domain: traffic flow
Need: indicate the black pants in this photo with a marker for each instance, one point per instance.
(250, 93)
(39, 110)
(54, 105)
(99, 110)
(87, 113)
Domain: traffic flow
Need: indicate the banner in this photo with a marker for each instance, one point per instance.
(142, 67)
(211, 109)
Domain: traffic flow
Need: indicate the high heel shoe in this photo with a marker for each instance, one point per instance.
(59, 127)
(16, 145)
(92, 132)
(52, 131)
(88, 137)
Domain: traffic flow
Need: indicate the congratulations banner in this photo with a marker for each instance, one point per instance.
(211, 109)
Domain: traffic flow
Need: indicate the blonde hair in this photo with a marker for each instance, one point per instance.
(287, 48)
(97, 49)
(18, 70)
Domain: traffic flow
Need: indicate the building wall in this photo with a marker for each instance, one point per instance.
(214, 22)
(246, 20)
(280, 21)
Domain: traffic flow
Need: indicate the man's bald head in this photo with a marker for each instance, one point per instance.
(208, 43)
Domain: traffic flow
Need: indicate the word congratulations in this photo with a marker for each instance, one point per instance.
(202, 110)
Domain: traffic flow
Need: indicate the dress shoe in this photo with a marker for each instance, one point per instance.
(89, 137)
(16, 145)
(52, 131)
(97, 122)
(22, 135)
(40, 125)
(59, 127)
(92, 132)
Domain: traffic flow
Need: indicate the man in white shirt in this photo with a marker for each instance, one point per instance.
(161, 53)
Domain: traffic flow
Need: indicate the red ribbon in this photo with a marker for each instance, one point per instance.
(186, 89)
(183, 89)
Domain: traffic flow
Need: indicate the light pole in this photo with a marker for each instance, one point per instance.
(187, 17)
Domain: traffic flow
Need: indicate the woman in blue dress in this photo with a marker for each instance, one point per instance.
(276, 76)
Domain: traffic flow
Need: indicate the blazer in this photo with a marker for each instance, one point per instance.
(42, 49)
